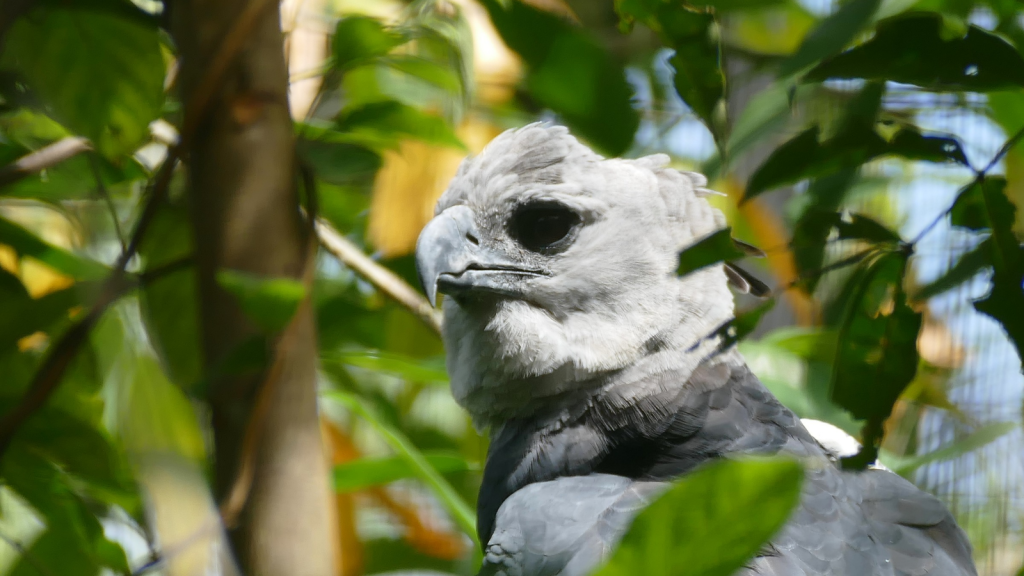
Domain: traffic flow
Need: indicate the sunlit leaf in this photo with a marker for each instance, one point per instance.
(21, 316)
(269, 302)
(712, 249)
(61, 260)
(102, 74)
(829, 37)
(368, 472)
(426, 70)
(711, 522)
(912, 49)
(570, 73)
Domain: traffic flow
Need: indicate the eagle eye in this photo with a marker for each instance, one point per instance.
(540, 227)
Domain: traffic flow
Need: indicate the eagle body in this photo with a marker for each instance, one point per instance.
(599, 374)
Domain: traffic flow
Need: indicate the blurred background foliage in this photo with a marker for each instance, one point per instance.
(871, 148)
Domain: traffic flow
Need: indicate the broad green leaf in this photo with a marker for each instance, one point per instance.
(978, 438)
(75, 179)
(102, 74)
(73, 543)
(410, 369)
(806, 157)
(815, 224)
(966, 267)
(968, 210)
(169, 304)
(339, 163)
(360, 38)
(831, 35)
(711, 522)
(389, 122)
(712, 249)
(912, 49)
(569, 72)
(697, 60)
(22, 315)
(877, 354)
(426, 70)
(269, 302)
(912, 145)
(1005, 302)
(728, 5)
(861, 227)
(64, 261)
(459, 509)
(369, 472)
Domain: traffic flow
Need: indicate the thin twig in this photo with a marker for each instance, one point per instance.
(1003, 151)
(383, 279)
(46, 157)
(979, 175)
(59, 357)
(102, 190)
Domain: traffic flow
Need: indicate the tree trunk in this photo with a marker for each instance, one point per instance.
(245, 216)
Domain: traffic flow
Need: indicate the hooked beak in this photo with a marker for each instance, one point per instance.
(451, 259)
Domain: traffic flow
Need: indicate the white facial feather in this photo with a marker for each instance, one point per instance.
(612, 301)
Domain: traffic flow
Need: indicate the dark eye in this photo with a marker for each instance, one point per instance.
(544, 226)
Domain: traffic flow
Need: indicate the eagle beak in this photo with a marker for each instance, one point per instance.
(452, 259)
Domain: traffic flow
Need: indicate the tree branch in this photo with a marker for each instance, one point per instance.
(46, 157)
(49, 375)
(383, 279)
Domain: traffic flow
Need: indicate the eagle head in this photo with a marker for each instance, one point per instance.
(559, 266)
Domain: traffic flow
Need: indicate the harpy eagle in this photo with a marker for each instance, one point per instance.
(569, 334)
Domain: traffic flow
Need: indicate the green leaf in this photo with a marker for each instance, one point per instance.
(360, 38)
(426, 70)
(978, 438)
(711, 522)
(968, 210)
(569, 72)
(831, 35)
(22, 316)
(100, 73)
(742, 325)
(694, 36)
(460, 511)
(861, 227)
(407, 368)
(335, 158)
(73, 543)
(388, 122)
(983, 205)
(269, 302)
(170, 304)
(965, 268)
(912, 145)
(877, 354)
(912, 49)
(368, 472)
(805, 157)
(66, 262)
(712, 249)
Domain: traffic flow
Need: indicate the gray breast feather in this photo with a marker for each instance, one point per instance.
(565, 526)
